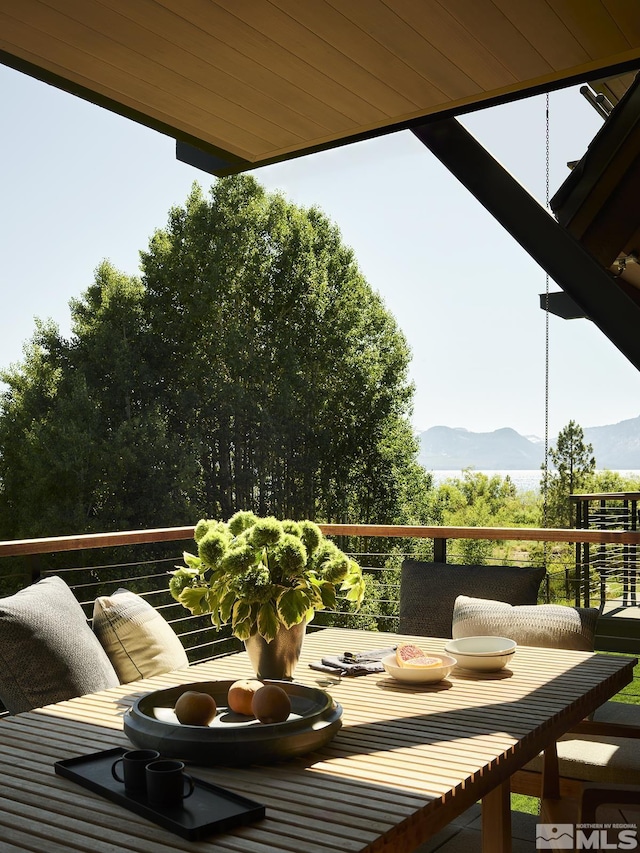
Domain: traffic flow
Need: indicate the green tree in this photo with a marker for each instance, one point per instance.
(84, 444)
(613, 481)
(43, 459)
(278, 364)
(250, 367)
(474, 500)
(571, 469)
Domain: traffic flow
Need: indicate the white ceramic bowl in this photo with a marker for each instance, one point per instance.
(419, 674)
(487, 654)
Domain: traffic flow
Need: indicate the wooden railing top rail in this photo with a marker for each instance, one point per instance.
(51, 544)
(606, 496)
(518, 534)
(48, 545)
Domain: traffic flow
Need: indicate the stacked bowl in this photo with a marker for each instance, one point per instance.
(486, 654)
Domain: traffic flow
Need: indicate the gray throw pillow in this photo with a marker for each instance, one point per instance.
(428, 592)
(48, 652)
(548, 626)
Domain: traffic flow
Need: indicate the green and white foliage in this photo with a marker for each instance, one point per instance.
(260, 574)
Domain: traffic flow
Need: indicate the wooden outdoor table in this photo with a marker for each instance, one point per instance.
(407, 760)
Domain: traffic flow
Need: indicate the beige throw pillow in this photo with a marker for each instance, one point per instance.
(138, 640)
(551, 626)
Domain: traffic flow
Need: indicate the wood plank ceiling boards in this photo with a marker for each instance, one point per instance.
(255, 81)
(243, 83)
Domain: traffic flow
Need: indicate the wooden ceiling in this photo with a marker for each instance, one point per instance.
(255, 81)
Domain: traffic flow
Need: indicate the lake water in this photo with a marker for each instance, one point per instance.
(524, 481)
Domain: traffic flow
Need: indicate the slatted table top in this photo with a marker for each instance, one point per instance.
(407, 760)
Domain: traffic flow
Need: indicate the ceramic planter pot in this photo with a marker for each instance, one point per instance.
(279, 658)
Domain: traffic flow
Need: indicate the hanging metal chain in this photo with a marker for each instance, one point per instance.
(545, 488)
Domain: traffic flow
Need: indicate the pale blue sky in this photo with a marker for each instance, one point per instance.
(80, 184)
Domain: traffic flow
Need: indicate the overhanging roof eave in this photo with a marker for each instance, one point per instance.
(216, 160)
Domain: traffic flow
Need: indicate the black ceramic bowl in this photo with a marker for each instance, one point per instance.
(233, 739)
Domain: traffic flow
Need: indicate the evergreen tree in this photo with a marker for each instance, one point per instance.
(572, 465)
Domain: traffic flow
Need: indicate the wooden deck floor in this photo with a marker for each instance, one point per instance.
(615, 608)
(463, 835)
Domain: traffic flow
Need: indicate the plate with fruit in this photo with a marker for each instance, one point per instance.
(233, 722)
(410, 663)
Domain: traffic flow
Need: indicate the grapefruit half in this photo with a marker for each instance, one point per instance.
(407, 651)
(424, 662)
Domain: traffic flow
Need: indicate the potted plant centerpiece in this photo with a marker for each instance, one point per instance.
(267, 578)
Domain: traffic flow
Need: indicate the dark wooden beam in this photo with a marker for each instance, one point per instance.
(598, 202)
(594, 289)
(562, 305)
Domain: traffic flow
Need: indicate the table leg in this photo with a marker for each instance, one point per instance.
(553, 807)
(551, 774)
(496, 820)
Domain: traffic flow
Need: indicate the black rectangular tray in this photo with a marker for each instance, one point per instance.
(209, 809)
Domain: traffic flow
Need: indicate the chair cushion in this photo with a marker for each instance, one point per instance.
(550, 626)
(428, 592)
(139, 641)
(600, 758)
(48, 652)
(621, 713)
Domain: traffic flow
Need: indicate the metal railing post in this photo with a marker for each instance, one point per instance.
(440, 550)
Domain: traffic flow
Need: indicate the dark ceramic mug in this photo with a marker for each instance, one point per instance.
(167, 783)
(134, 764)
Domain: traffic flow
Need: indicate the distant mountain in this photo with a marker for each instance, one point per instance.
(616, 446)
(442, 448)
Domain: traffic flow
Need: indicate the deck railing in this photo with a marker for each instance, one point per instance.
(97, 564)
(609, 510)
